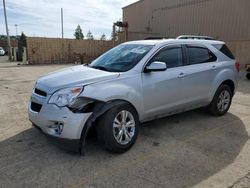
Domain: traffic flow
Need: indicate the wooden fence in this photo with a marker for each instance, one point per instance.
(4, 44)
(61, 51)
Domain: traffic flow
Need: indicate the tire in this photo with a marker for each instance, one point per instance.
(222, 101)
(110, 128)
(248, 76)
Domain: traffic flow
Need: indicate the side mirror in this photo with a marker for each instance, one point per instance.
(156, 66)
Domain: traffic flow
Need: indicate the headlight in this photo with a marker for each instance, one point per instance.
(65, 97)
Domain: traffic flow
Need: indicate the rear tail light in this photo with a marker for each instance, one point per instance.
(237, 66)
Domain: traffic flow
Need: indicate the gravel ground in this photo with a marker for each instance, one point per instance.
(191, 149)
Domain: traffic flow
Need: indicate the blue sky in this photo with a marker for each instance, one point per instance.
(42, 17)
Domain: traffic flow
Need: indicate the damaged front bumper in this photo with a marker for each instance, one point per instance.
(68, 127)
(60, 124)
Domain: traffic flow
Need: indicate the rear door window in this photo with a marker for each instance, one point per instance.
(198, 55)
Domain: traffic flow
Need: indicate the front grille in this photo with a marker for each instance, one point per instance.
(40, 92)
(36, 107)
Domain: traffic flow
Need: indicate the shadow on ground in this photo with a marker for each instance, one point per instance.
(178, 151)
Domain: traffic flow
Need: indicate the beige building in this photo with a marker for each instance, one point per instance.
(227, 20)
(224, 19)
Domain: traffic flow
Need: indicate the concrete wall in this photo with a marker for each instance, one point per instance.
(53, 50)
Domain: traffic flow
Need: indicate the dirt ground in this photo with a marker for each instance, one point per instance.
(191, 149)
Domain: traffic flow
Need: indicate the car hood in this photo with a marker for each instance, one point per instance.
(73, 76)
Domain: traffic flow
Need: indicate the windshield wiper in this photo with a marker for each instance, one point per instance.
(105, 69)
(100, 68)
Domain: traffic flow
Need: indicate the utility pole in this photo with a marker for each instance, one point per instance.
(7, 31)
(16, 31)
(62, 21)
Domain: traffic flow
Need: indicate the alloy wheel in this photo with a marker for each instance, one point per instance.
(223, 101)
(124, 127)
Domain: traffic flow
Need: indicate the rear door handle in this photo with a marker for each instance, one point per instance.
(182, 75)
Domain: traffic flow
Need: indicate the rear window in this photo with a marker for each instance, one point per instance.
(224, 49)
(197, 55)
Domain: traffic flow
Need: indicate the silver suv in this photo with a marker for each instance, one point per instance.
(133, 83)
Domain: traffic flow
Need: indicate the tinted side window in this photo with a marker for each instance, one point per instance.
(225, 50)
(171, 56)
(197, 55)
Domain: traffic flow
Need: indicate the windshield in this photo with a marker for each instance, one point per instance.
(121, 58)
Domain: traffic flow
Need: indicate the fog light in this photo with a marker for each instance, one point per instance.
(56, 128)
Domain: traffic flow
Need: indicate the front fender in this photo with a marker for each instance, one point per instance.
(109, 94)
(128, 89)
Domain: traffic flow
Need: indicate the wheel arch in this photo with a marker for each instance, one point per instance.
(226, 76)
(230, 83)
(99, 109)
(125, 101)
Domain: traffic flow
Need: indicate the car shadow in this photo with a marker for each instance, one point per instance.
(177, 151)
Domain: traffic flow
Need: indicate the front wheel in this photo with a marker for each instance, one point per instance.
(117, 129)
(221, 101)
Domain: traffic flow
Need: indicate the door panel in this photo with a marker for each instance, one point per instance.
(181, 87)
(199, 79)
(163, 91)
(202, 68)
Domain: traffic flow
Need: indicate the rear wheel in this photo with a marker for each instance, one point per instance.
(221, 101)
(117, 129)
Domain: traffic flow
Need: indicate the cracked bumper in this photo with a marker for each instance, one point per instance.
(50, 115)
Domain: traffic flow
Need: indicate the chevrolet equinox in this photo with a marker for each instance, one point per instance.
(130, 84)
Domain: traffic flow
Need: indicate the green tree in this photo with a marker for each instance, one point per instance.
(89, 36)
(3, 37)
(103, 37)
(78, 33)
(23, 36)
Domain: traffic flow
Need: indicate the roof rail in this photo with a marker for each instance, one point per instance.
(195, 37)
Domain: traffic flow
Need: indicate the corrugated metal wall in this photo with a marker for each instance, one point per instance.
(228, 20)
(225, 19)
